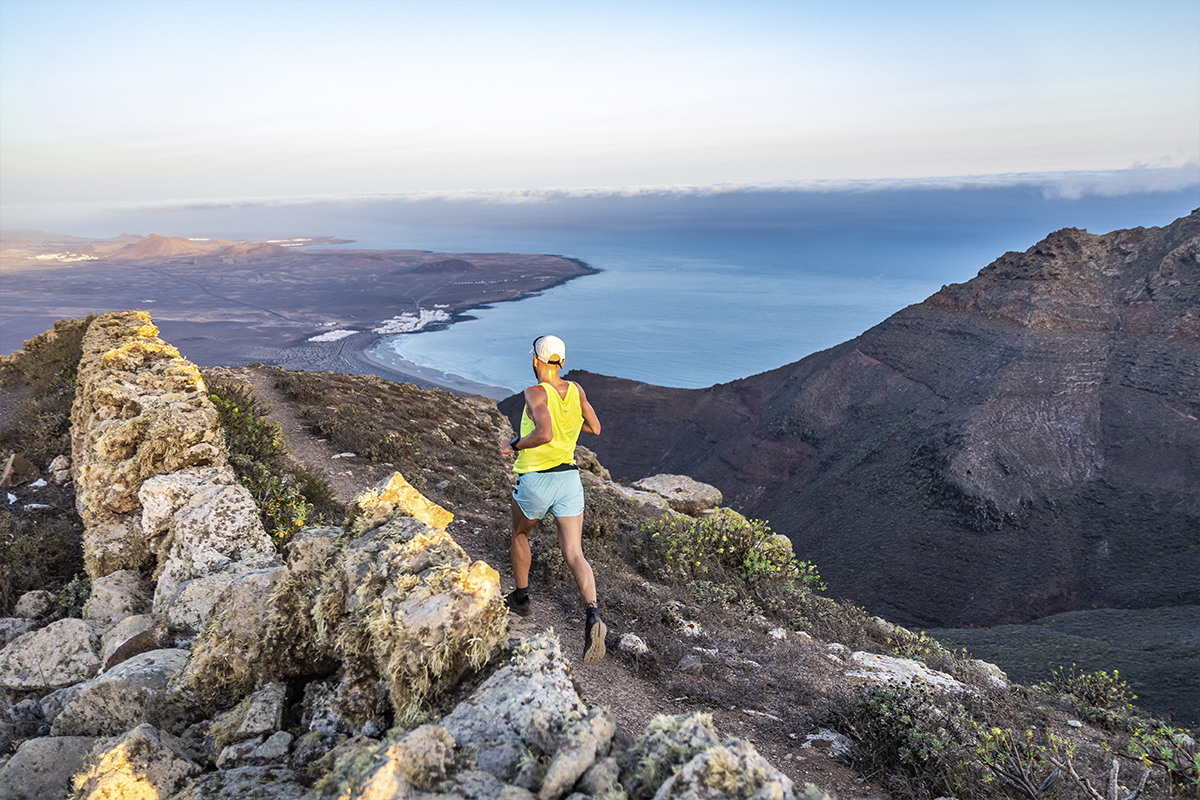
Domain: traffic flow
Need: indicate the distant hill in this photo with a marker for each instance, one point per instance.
(155, 246)
(1019, 445)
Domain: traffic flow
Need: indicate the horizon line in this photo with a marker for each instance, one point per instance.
(1069, 185)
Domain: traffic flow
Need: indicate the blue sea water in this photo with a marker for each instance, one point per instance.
(695, 288)
(696, 291)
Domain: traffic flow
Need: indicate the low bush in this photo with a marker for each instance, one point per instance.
(918, 744)
(37, 552)
(1156, 744)
(726, 548)
(287, 499)
(1100, 696)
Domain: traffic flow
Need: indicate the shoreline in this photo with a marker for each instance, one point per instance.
(369, 354)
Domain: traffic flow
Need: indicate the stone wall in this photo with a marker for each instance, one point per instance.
(152, 476)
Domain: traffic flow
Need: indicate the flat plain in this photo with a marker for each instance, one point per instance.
(235, 303)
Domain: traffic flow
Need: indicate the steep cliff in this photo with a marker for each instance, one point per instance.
(1015, 446)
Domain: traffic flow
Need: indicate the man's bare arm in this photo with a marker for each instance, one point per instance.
(591, 423)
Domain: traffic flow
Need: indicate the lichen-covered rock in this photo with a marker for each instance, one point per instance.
(683, 494)
(355, 701)
(116, 596)
(133, 692)
(734, 771)
(60, 654)
(36, 604)
(119, 644)
(246, 783)
(667, 744)
(256, 752)
(876, 668)
(525, 705)
(42, 768)
(162, 495)
(142, 763)
(12, 627)
(219, 525)
(264, 711)
(187, 609)
(392, 497)
(582, 743)
(241, 643)
(311, 547)
(416, 763)
(140, 410)
(406, 597)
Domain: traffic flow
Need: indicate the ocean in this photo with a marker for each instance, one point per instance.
(697, 287)
(695, 291)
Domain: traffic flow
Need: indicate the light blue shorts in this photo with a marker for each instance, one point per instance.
(560, 493)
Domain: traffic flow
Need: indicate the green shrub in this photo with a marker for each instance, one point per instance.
(74, 595)
(1020, 762)
(726, 548)
(287, 500)
(1170, 748)
(921, 745)
(37, 553)
(1091, 690)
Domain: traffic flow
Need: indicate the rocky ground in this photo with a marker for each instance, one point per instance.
(232, 664)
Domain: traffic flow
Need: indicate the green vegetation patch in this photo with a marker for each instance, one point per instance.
(288, 499)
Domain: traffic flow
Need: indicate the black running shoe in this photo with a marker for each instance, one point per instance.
(593, 639)
(522, 607)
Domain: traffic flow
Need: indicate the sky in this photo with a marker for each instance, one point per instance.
(126, 102)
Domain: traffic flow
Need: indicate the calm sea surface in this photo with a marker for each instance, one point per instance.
(699, 291)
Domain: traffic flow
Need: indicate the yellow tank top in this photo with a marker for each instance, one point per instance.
(567, 419)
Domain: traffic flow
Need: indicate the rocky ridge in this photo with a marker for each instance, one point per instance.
(1035, 426)
(371, 659)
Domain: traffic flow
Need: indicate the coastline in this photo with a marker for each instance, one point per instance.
(372, 355)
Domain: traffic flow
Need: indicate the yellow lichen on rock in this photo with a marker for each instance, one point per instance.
(389, 497)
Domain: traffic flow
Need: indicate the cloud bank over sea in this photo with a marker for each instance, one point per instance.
(1073, 185)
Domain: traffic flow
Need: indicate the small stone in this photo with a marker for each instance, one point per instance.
(632, 644)
(1074, 723)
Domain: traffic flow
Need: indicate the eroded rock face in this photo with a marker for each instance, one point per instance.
(1046, 406)
(140, 410)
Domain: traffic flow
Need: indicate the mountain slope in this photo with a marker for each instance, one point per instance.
(1022, 444)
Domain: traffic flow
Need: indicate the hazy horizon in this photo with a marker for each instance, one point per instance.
(134, 101)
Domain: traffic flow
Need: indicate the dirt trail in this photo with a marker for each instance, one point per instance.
(616, 681)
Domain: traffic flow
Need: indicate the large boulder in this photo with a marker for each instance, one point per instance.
(405, 599)
(37, 604)
(58, 655)
(683, 494)
(42, 769)
(142, 763)
(734, 770)
(131, 693)
(218, 526)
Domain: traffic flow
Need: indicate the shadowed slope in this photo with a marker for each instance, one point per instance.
(1022, 444)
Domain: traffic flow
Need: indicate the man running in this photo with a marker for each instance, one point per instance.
(556, 410)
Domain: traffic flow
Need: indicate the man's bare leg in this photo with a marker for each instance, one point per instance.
(570, 541)
(521, 558)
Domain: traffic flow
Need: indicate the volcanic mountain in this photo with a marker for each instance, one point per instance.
(1022, 444)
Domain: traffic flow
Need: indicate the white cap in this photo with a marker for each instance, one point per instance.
(550, 349)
